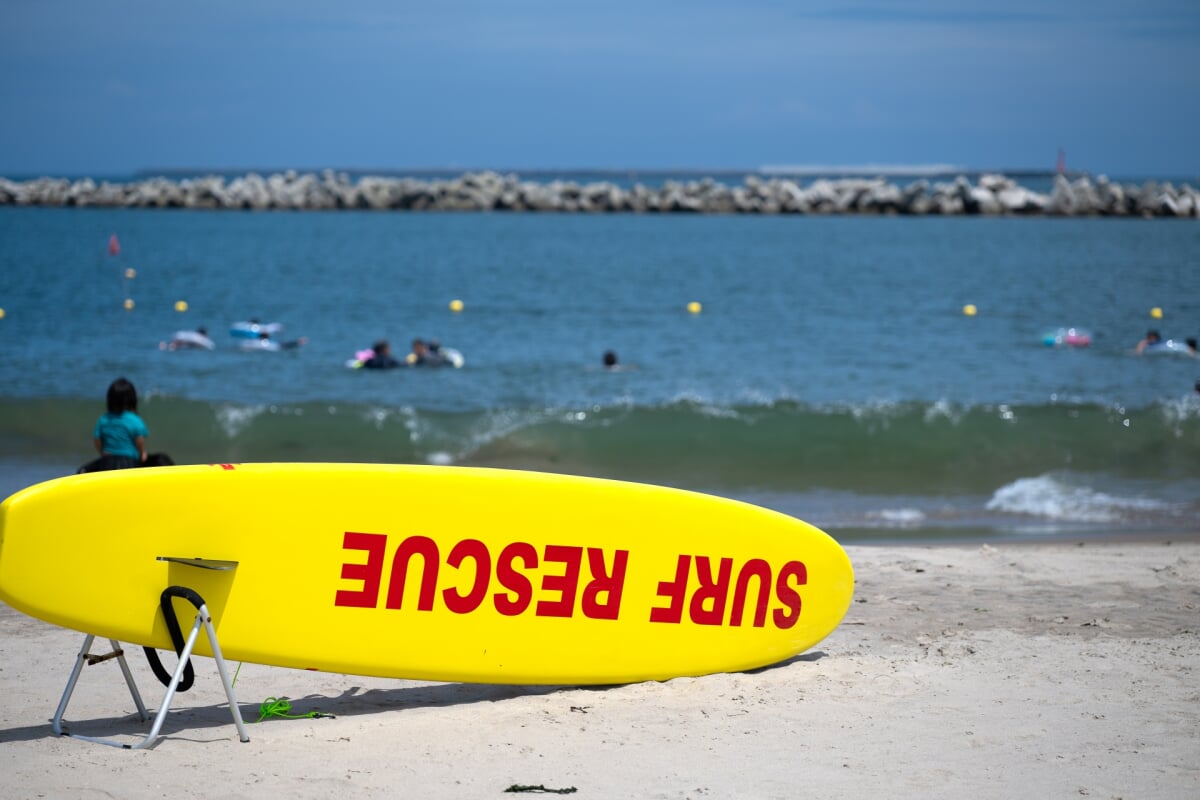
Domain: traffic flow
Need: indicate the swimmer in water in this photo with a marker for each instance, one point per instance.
(1152, 338)
(612, 363)
(433, 354)
(382, 357)
(189, 340)
(419, 354)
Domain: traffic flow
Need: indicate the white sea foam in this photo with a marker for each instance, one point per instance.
(898, 517)
(943, 409)
(235, 419)
(497, 425)
(871, 410)
(1180, 411)
(376, 416)
(703, 405)
(1049, 497)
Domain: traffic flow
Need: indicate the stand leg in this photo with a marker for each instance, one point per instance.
(203, 620)
(133, 690)
(56, 723)
(85, 657)
(178, 676)
(229, 695)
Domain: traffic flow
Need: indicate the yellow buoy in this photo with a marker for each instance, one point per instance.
(1156, 312)
(456, 306)
(1, 313)
(128, 304)
(181, 306)
(969, 309)
(131, 273)
(694, 307)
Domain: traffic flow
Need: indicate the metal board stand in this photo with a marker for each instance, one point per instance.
(203, 620)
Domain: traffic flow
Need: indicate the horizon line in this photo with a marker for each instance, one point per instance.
(806, 170)
(765, 169)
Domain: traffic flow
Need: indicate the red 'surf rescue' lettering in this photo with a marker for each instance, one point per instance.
(573, 580)
(711, 602)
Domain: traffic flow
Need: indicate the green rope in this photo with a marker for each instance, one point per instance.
(279, 707)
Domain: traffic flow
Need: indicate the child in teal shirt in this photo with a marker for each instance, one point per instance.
(120, 434)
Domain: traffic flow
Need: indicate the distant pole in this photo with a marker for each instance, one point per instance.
(1062, 161)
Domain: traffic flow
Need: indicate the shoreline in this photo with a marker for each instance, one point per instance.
(1052, 670)
(25, 473)
(1155, 536)
(16, 475)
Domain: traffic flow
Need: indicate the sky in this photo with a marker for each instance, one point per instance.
(103, 88)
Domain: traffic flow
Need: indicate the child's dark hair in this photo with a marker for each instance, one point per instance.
(122, 397)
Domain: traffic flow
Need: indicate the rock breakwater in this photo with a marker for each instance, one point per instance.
(989, 195)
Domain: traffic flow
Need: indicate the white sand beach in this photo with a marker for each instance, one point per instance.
(1047, 670)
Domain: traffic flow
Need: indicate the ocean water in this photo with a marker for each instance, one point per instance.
(831, 372)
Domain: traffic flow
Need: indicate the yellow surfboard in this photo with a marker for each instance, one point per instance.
(434, 573)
